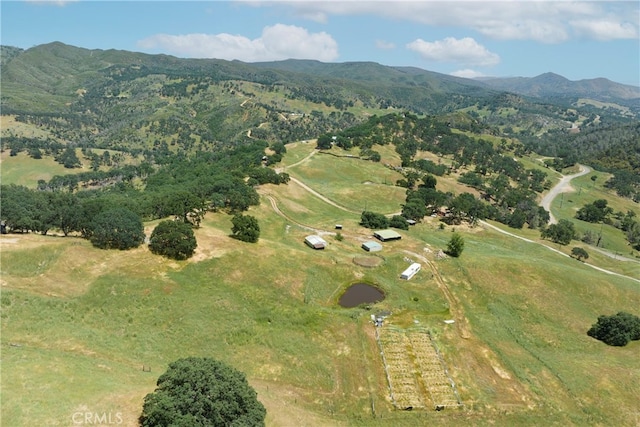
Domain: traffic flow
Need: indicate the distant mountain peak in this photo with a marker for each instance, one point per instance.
(549, 76)
(555, 85)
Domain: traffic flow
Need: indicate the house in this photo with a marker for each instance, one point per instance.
(371, 246)
(386, 235)
(315, 242)
(411, 271)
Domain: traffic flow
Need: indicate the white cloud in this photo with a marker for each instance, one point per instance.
(385, 45)
(544, 21)
(59, 3)
(277, 42)
(467, 74)
(605, 30)
(462, 51)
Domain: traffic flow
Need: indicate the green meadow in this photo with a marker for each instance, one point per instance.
(90, 331)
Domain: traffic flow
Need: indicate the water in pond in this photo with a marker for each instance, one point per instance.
(360, 293)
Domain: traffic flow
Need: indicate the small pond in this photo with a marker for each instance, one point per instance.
(360, 293)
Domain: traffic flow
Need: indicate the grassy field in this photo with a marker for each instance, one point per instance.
(90, 331)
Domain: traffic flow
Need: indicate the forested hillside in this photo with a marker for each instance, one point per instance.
(153, 107)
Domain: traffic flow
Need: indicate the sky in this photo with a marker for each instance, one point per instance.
(477, 38)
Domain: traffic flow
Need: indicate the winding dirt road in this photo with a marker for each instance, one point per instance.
(564, 186)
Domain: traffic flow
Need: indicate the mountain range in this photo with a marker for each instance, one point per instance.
(51, 67)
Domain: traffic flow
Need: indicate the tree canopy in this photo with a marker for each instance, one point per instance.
(373, 220)
(562, 232)
(202, 392)
(579, 253)
(455, 246)
(117, 228)
(616, 330)
(594, 212)
(173, 239)
(245, 228)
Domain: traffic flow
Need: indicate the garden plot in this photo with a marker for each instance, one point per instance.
(416, 372)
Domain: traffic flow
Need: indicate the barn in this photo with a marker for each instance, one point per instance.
(411, 271)
(371, 246)
(315, 242)
(386, 235)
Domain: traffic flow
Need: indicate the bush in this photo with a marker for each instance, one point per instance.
(616, 330)
(373, 220)
(173, 239)
(579, 253)
(455, 245)
(399, 222)
(202, 392)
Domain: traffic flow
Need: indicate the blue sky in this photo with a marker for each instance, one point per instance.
(577, 39)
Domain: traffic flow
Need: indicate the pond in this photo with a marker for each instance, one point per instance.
(360, 293)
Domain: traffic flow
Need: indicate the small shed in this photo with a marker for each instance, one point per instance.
(411, 271)
(386, 235)
(315, 242)
(371, 246)
(411, 221)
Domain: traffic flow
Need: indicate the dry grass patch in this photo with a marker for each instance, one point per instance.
(367, 261)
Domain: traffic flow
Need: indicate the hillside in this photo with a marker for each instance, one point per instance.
(106, 91)
(494, 336)
(110, 321)
(551, 85)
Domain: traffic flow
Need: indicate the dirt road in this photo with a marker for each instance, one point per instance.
(564, 186)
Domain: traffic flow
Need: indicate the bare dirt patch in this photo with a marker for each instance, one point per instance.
(367, 261)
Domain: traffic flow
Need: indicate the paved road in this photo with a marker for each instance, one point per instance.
(564, 186)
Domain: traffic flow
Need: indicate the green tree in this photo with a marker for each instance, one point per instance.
(173, 239)
(202, 392)
(324, 142)
(579, 253)
(373, 220)
(414, 209)
(429, 181)
(69, 159)
(562, 232)
(455, 246)
(616, 330)
(245, 228)
(117, 228)
(594, 212)
(399, 222)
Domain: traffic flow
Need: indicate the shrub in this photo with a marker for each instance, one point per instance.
(616, 330)
(579, 253)
(455, 245)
